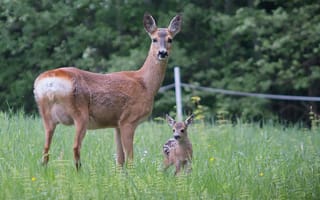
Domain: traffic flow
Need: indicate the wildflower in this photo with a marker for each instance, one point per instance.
(212, 159)
(33, 179)
(195, 99)
(261, 174)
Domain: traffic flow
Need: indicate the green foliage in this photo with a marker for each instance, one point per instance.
(241, 161)
(248, 45)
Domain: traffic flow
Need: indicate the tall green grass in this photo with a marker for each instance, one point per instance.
(240, 161)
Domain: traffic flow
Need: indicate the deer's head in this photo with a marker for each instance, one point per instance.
(161, 37)
(179, 129)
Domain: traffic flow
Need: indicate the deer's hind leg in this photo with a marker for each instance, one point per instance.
(80, 133)
(81, 123)
(49, 126)
(166, 162)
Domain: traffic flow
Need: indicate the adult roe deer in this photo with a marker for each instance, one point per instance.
(119, 100)
(178, 150)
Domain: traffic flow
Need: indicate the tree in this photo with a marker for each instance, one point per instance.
(247, 45)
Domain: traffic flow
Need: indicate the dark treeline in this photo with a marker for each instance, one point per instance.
(263, 46)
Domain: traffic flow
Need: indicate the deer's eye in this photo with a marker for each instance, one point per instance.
(154, 40)
(182, 131)
(169, 40)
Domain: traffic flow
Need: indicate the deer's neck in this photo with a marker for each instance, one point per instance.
(184, 142)
(153, 72)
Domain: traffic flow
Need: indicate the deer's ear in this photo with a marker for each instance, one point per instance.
(189, 120)
(175, 25)
(170, 120)
(149, 23)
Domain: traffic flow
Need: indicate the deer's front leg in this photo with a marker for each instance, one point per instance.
(178, 167)
(188, 167)
(120, 153)
(127, 133)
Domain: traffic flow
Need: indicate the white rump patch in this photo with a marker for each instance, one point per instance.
(51, 86)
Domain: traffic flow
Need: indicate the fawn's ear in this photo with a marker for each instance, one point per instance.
(170, 120)
(189, 120)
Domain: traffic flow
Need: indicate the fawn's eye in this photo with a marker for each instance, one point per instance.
(169, 40)
(182, 131)
(154, 40)
(173, 130)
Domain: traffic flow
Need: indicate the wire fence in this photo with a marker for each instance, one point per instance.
(245, 94)
(178, 85)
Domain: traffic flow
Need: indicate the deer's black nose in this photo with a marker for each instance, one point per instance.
(163, 54)
(177, 137)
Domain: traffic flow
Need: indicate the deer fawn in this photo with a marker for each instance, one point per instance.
(119, 100)
(178, 150)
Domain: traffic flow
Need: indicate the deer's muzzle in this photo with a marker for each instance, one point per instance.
(177, 137)
(162, 54)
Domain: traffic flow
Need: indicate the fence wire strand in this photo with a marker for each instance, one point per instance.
(245, 94)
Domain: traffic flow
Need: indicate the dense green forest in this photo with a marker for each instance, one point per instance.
(262, 46)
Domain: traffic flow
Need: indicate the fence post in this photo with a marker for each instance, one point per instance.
(177, 84)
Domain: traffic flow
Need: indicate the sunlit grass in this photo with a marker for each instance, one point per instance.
(240, 161)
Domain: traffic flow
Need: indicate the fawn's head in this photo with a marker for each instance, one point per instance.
(161, 37)
(179, 129)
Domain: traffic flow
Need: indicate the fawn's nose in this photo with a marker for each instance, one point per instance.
(162, 54)
(177, 137)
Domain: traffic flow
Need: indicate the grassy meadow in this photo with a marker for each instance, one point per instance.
(240, 161)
